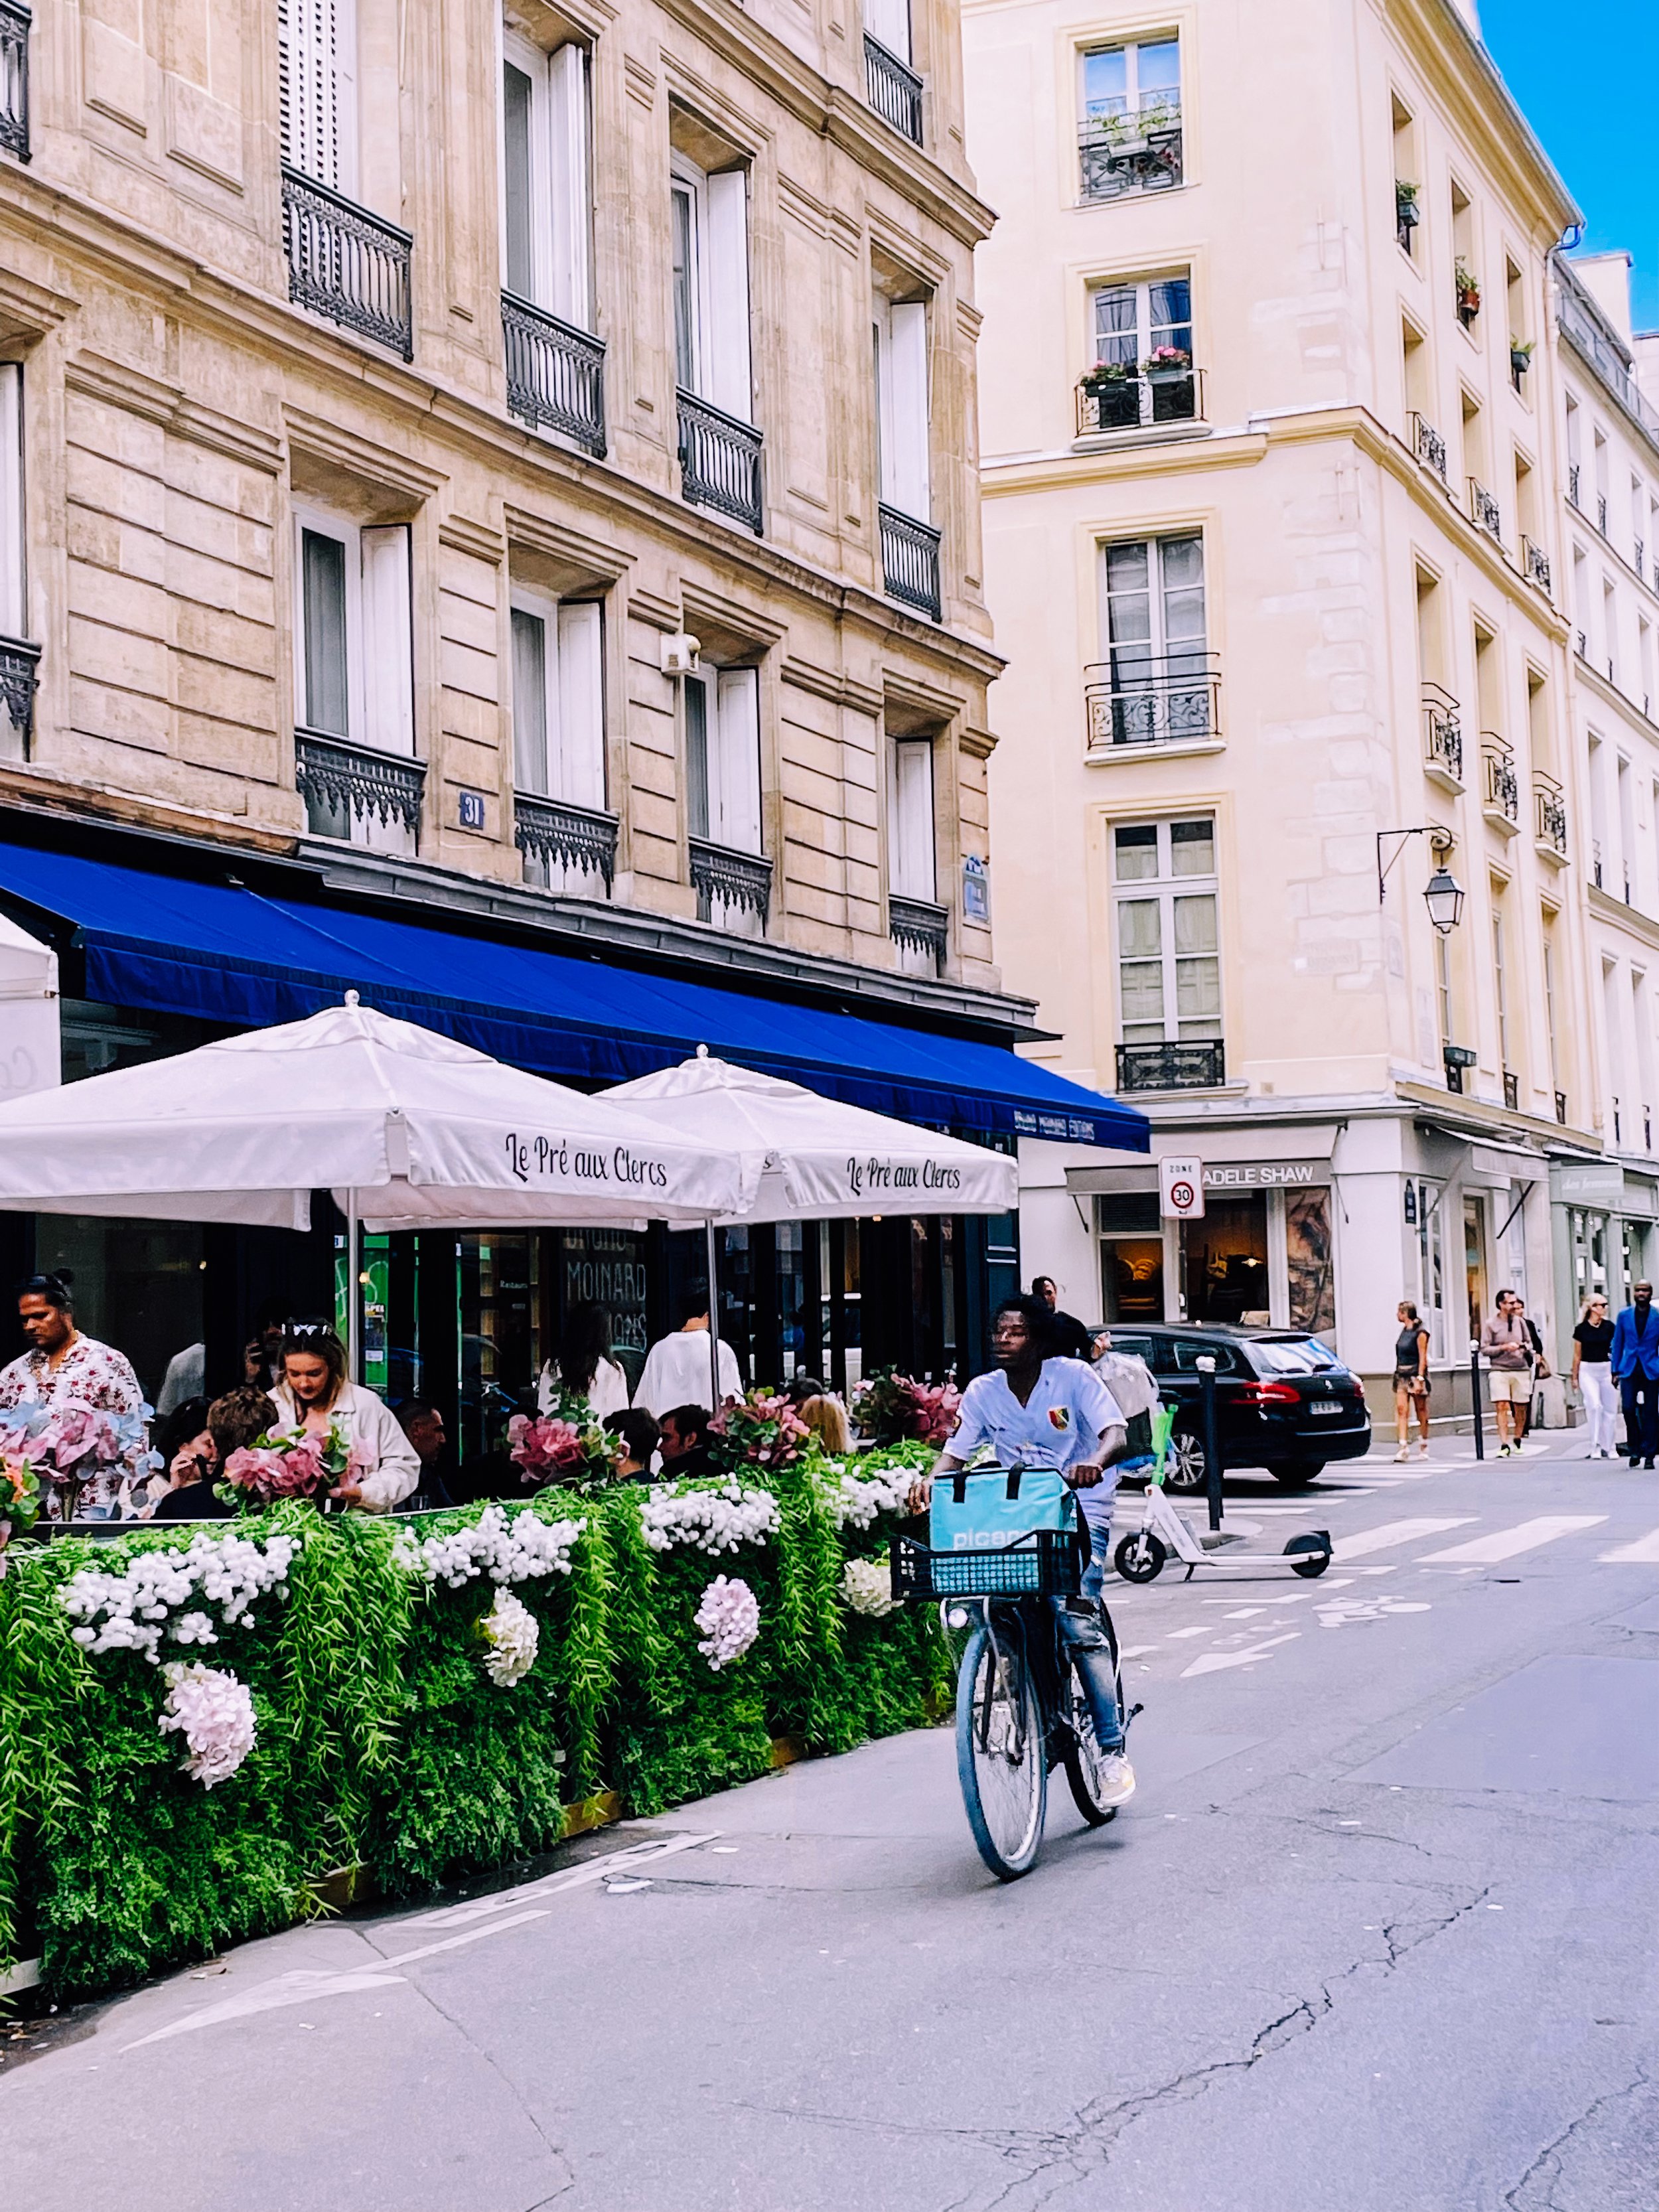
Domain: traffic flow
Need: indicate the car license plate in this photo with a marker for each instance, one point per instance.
(1327, 1406)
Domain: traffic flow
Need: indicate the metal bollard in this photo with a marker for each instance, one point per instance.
(1475, 1400)
(1205, 1366)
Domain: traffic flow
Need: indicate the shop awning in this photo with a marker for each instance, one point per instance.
(228, 954)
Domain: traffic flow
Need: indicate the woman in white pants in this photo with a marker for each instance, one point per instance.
(1592, 1373)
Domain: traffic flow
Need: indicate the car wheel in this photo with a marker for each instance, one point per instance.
(1299, 1471)
(1186, 1471)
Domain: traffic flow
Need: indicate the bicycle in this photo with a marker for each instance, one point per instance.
(1021, 1710)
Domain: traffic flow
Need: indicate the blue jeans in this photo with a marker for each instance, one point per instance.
(1085, 1640)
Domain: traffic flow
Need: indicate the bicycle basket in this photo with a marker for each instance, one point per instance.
(1043, 1563)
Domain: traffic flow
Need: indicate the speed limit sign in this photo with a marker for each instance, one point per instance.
(1180, 1189)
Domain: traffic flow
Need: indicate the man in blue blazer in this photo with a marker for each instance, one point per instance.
(1635, 1371)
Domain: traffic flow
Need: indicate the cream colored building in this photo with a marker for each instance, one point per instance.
(1269, 430)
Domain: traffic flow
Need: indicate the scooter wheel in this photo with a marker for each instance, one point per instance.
(1140, 1558)
(1309, 1555)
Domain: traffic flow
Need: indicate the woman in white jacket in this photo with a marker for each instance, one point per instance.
(585, 1368)
(315, 1393)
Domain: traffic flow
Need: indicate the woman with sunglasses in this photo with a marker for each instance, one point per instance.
(1592, 1374)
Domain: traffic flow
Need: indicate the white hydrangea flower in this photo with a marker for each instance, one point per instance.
(513, 1635)
(854, 1500)
(729, 1618)
(131, 1610)
(514, 1547)
(867, 1586)
(719, 1520)
(216, 1713)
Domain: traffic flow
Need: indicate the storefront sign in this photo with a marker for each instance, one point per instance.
(1264, 1174)
(1181, 1188)
(608, 1265)
(1592, 1186)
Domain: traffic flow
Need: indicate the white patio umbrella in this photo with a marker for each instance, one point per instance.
(811, 1158)
(407, 1128)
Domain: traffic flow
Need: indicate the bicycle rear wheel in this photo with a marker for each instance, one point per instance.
(1084, 1759)
(1001, 1754)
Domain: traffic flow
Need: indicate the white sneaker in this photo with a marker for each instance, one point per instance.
(1114, 1779)
(1404, 1453)
(1423, 1449)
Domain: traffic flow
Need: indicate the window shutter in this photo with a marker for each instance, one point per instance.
(728, 348)
(14, 601)
(734, 793)
(388, 675)
(698, 813)
(518, 203)
(908, 373)
(888, 22)
(572, 212)
(581, 704)
(910, 869)
(316, 48)
(322, 634)
(530, 730)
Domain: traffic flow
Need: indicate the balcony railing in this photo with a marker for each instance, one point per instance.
(1484, 509)
(346, 263)
(1574, 480)
(14, 21)
(909, 562)
(1194, 1064)
(919, 923)
(553, 831)
(894, 89)
(1595, 862)
(1137, 151)
(19, 680)
(722, 876)
(1502, 790)
(1550, 814)
(1537, 565)
(1430, 448)
(1511, 1091)
(345, 782)
(1601, 512)
(1170, 699)
(1443, 735)
(1582, 322)
(1638, 556)
(555, 374)
(1139, 402)
(721, 462)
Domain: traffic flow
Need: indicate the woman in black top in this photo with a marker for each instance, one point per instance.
(1411, 1380)
(1592, 1374)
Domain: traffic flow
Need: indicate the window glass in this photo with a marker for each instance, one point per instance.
(1290, 1356)
(1117, 337)
(1137, 852)
(1192, 849)
(530, 733)
(324, 599)
(1159, 69)
(1168, 939)
(1105, 83)
(696, 754)
(685, 280)
(517, 105)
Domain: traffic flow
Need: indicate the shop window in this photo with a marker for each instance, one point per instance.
(1431, 1300)
(1227, 1261)
(138, 1284)
(1311, 1274)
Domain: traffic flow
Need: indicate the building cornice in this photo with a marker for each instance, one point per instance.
(1605, 907)
(1586, 672)
(1494, 1120)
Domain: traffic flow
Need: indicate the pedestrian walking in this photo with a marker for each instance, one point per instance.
(1070, 1339)
(1592, 1377)
(1635, 1364)
(1507, 1348)
(1541, 1368)
(1412, 1385)
(316, 1394)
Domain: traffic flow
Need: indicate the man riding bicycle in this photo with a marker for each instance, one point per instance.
(1035, 1410)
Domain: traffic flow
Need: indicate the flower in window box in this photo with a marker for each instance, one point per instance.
(1168, 361)
(1106, 374)
(1469, 292)
(1407, 215)
(1519, 356)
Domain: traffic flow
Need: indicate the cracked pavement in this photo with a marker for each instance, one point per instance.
(1296, 1974)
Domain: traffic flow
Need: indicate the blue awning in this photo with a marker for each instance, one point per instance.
(232, 955)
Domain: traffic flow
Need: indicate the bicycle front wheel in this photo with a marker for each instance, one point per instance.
(1001, 1756)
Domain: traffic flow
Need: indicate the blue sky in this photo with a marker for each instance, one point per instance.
(1600, 124)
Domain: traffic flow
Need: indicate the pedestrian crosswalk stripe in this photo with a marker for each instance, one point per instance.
(1396, 1532)
(1508, 1543)
(1644, 1553)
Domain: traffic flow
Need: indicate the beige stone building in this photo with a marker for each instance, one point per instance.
(1269, 432)
(512, 475)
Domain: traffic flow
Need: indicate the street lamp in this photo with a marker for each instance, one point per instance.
(1444, 897)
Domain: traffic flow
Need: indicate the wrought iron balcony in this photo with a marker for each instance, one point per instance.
(723, 877)
(1502, 801)
(1192, 1064)
(1537, 565)
(909, 562)
(1595, 861)
(14, 21)
(1638, 554)
(552, 830)
(894, 89)
(1138, 151)
(19, 680)
(721, 462)
(919, 923)
(1484, 509)
(346, 263)
(1138, 403)
(1430, 448)
(1170, 700)
(555, 374)
(1601, 512)
(342, 783)
(1442, 736)
(1550, 815)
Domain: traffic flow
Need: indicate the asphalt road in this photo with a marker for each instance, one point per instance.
(1378, 1931)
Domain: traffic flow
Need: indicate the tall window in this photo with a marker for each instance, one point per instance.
(888, 21)
(910, 859)
(1152, 615)
(1152, 321)
(1132, 83)
(558, 699)
(546, 207)
(354, 648)
(1553, 1034)
(722, 746)
(710, 238)
(316, 60)
(900, 336)
(1168, 964)
(1501, 984)
(1443, 986)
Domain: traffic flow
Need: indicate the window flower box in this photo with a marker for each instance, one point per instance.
(1468, 294)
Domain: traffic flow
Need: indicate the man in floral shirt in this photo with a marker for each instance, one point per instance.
(56, 1394)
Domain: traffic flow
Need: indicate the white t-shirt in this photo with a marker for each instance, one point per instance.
(1059, 1424)
(607, 1396)
(676, 1373)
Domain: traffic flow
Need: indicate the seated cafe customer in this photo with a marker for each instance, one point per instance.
(237, 1419)
(637, 1436)
(315, 1393)
(684, 1443)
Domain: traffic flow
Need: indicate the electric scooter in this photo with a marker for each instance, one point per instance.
(1165, 1534)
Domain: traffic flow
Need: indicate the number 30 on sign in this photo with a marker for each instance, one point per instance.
(1180, 1189)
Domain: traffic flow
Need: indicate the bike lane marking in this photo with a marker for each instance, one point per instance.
(1211, 1662)
(1644, 1553)
(1388, 1534)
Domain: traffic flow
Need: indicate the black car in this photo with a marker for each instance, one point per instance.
(1284, 1400)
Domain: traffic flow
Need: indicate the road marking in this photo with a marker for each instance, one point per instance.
(554, 1885)
(1211, 1662)
(1644, 1553)
(1175, 1634)
(1508, 1543)
(1390, 1533)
